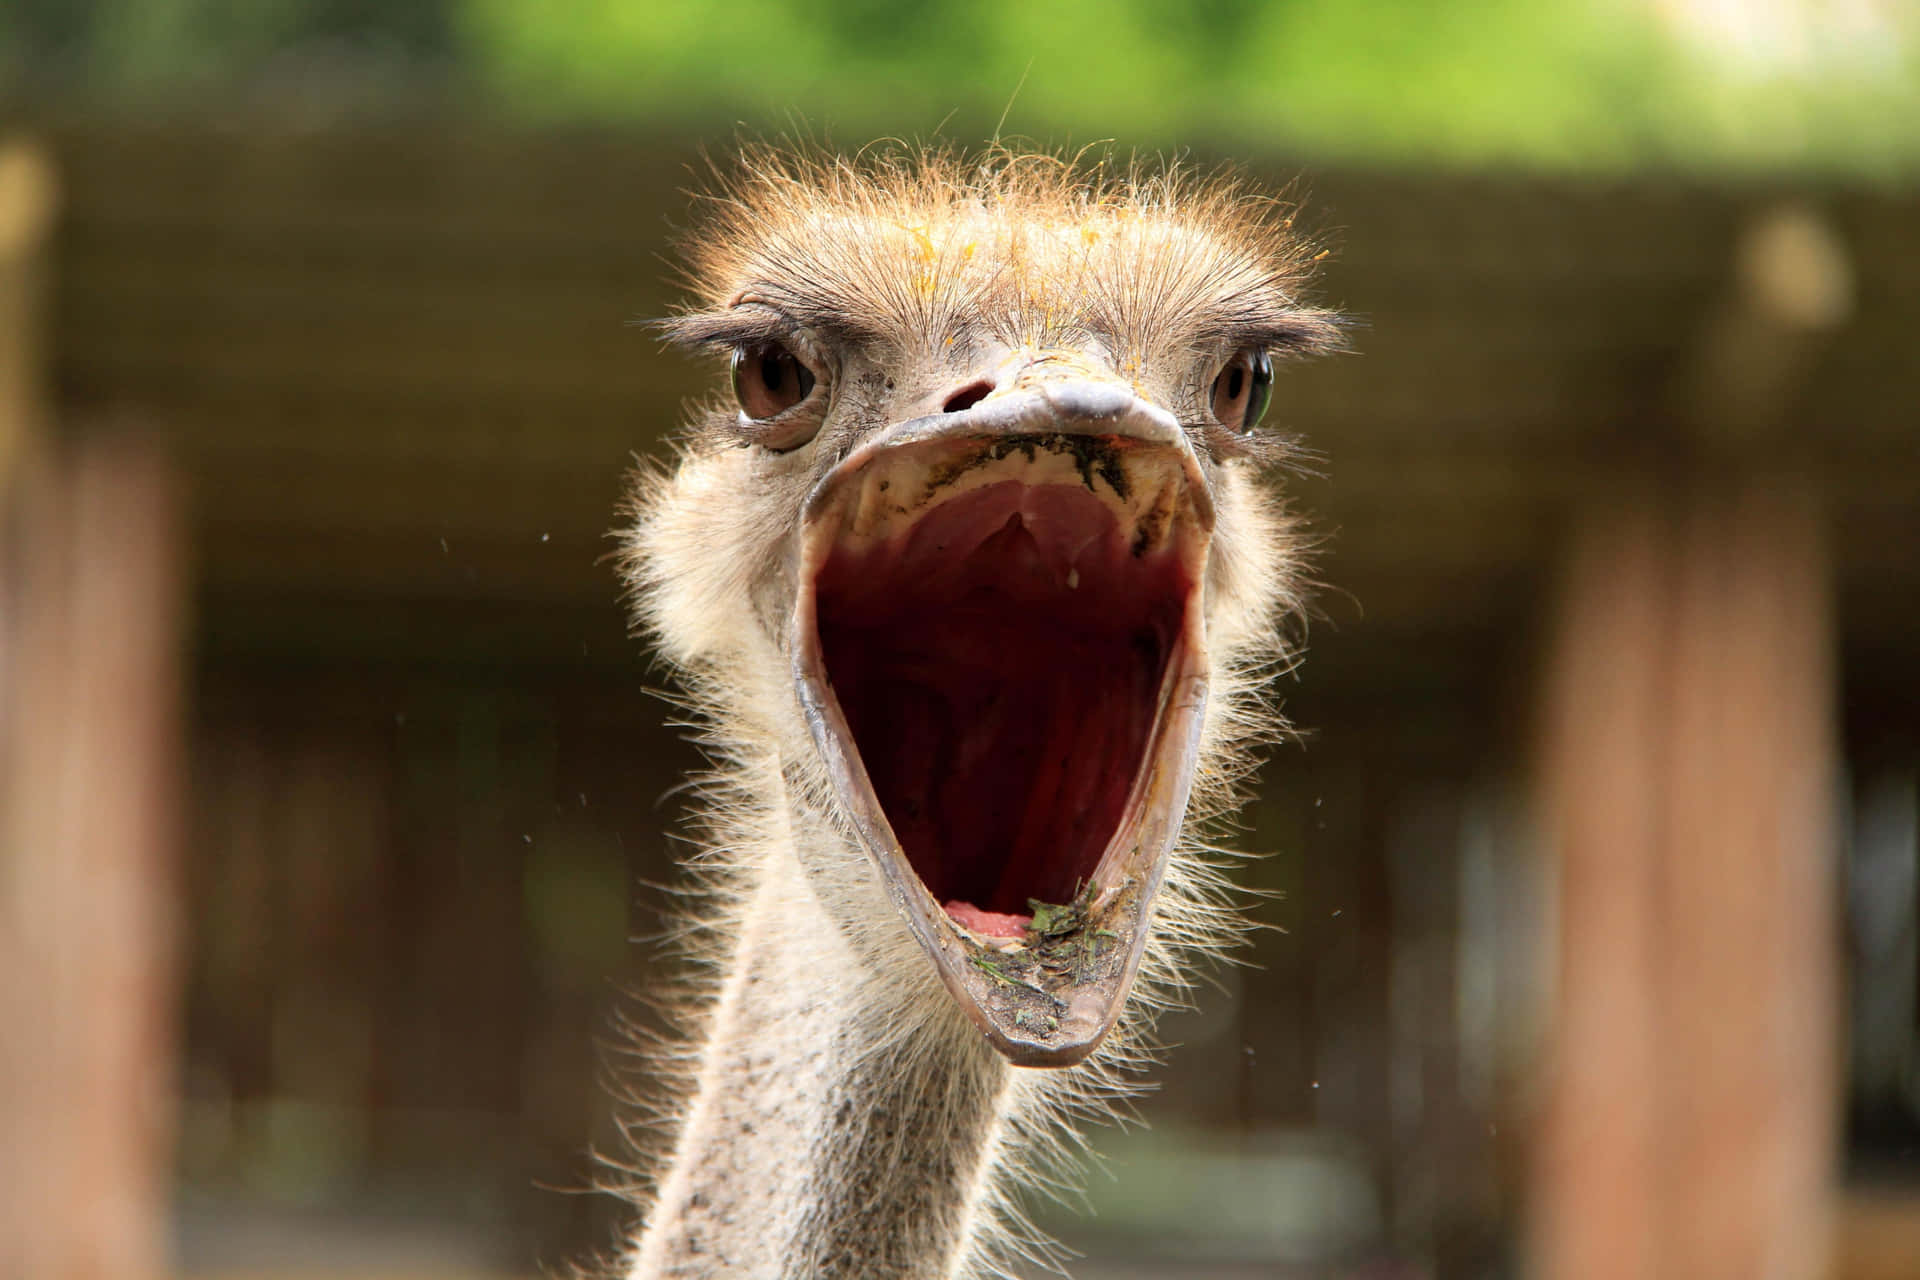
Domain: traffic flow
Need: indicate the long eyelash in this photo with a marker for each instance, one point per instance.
(1287, 334)
(718, 330)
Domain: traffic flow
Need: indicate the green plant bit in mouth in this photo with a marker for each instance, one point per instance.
(1061, 948)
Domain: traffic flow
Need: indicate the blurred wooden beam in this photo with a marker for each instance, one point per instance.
(1745, 888)
(1596, 1167)
(89, 669)
(1687, 777)
(89, 763)
(1687, 788)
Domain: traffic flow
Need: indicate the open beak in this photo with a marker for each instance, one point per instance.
(999, 644)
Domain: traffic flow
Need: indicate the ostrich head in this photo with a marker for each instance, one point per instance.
(975, 547)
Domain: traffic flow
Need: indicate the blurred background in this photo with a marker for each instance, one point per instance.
(335, 790)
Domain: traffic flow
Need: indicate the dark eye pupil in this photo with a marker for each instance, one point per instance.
(774, 366)
(1236, 383)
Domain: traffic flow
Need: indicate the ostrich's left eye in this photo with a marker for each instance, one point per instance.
(1242, 390)
(768, 380)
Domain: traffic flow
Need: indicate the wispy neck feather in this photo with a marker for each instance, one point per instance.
(813, 1147)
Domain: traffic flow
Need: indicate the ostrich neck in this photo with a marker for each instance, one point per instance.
(820, 1138)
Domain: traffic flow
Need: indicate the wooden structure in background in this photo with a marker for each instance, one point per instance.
(1691, 1109)
(90, 601)
(1689, 790)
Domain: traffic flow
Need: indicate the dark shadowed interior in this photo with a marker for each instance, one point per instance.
(1000, 664)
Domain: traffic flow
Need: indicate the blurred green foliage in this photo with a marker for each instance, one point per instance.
(1568, 84)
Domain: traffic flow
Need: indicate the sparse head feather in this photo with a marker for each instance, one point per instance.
(920, 247)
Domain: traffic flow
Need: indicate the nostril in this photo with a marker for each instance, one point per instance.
(967, 397)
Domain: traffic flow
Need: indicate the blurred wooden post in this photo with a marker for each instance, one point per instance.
(89, 586)
(1686, 787)
(1601, 776)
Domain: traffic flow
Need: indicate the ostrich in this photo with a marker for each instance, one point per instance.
(973, 585)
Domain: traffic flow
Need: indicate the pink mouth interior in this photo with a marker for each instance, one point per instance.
(1000, 663)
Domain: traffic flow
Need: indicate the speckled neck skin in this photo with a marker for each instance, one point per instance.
(811, 1147)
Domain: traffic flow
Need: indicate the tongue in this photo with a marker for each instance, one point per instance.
(991, 924)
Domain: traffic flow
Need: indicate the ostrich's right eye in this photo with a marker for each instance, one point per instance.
(768, 380)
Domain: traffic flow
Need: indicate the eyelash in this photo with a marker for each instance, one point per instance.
(724, 340)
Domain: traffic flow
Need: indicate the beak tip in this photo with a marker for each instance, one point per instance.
(1083, 398)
